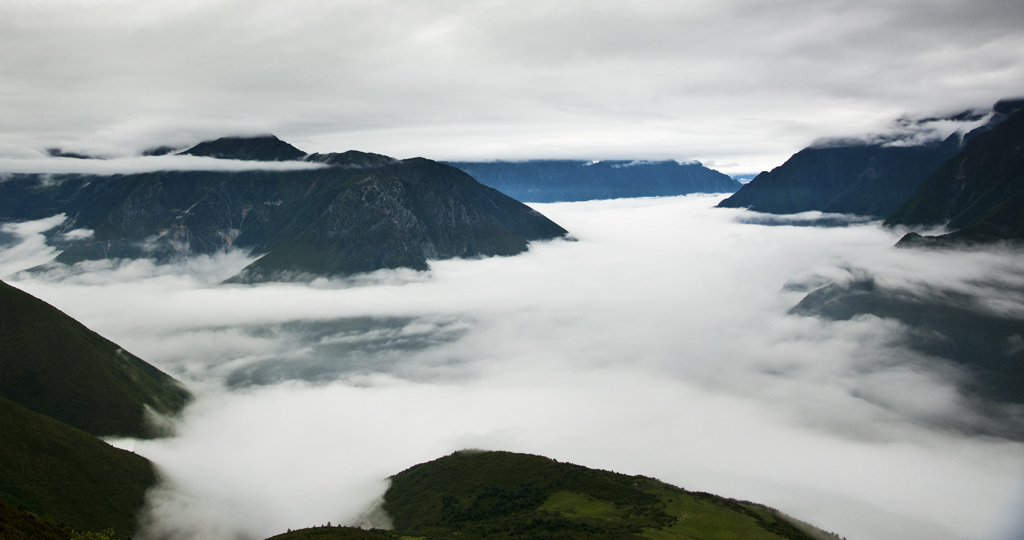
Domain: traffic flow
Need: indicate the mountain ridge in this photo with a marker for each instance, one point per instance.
(575, 180)
(979, 192)
(872, 178)
(165, 215)
(52, 364)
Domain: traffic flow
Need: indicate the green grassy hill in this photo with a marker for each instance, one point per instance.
(500, 495)
(67, 475)
(53, 365)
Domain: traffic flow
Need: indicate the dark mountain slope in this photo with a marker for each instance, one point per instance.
(61, 473)
(55, 366)
(852, 179)
(360, 212)
(567, 180)
(20, 524)
(980, 191)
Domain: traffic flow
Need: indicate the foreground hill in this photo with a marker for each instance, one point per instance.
(357, 212)
(979, 192)
(501, 495)
(67, 475)
(567, 180)
(53, 365)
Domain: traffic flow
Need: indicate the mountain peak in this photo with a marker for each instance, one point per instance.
(259, 148)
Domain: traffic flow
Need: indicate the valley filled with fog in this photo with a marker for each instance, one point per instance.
(655, 341)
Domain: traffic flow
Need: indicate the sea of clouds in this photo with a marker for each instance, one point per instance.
(656, 343)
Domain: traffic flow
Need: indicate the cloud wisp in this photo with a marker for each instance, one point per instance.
(656, 344)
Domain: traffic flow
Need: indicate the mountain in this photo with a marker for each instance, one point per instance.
(870, 179)
(357, 212)
(845, 178)
(565, 180)
(502, 495)
(263, 148)
(979, 192)
(67, 475)
(53, 365)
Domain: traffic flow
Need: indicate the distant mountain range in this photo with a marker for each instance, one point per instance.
(973, 181)
(358, 212)
(566, 180)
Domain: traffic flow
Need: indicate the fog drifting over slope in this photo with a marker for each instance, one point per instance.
(656, 344)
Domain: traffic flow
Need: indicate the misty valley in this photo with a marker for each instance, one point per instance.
(250, 341)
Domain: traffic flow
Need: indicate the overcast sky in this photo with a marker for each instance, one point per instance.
(738, 84)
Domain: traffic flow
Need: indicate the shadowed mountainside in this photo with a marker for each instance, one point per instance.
(53, 365)
(358, 212)
(869, 179)
(979, 192)
(20, 524)
(67, 475)
(849, 179)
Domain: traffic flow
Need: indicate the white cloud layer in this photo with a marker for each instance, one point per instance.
(657, 344)
(737, 84)
(145, 164)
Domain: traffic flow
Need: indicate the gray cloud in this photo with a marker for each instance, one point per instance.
(657, 344)
(738, 84)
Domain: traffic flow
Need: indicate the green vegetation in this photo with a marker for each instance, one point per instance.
(53, 365)
(20, 524)
(504, 495)
(472, 495)
(67, 475)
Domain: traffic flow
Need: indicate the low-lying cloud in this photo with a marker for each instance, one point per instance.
(143, 164)
(658, 344)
